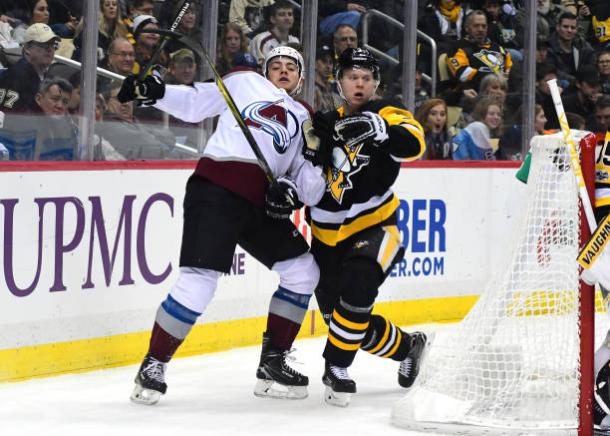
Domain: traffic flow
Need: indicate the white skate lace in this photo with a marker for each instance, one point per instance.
(405, 366)
(340, 373)
(291, 359)
(155, 370)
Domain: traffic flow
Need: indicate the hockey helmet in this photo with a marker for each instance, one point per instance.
(357, 58)
(287, 52)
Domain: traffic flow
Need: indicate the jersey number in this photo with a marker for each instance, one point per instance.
(8, 98)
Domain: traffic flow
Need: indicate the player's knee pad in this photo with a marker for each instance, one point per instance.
(299, 274)
(360, 280)
(195, 287)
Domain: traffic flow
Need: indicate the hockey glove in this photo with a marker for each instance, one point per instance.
(367, 127)
(281, 199)
(318, 140)
(145, 92)
(599, 272)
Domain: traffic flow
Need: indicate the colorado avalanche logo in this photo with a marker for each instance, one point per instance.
(273, 119)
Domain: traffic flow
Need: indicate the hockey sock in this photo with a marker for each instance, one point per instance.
(346, 331)
(384, 339)
(286, 312)
(172, 324)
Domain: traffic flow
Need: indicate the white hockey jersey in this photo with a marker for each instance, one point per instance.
(275, 120)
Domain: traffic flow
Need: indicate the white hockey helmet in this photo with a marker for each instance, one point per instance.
(287, 52)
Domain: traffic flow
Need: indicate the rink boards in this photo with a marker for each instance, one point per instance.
(90, 250)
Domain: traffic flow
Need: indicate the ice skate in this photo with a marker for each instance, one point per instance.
(275, 378)
(409, 367)
(150, 382)
(339, 385)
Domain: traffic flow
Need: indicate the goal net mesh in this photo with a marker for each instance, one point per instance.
(513, 362)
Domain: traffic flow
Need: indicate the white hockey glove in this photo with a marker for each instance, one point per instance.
(599, 272)
(281, 199)
(367, 127)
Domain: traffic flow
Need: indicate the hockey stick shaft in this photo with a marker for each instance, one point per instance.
(155, 56)
(574, 158)
(260, 157)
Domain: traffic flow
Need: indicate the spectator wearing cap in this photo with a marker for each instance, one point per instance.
(232, 41)
(110, 26)
(588, 90)
(567, 51)
(281, 18)
(325, 99)
(145, 42)
(603, 67)
(182, 68)
(20, 82)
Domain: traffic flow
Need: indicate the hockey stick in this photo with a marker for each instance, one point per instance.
(155, 56)
(574, 158)
(199, 50)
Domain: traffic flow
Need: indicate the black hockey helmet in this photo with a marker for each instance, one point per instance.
(359, 58)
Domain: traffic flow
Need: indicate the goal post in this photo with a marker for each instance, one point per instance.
(522, 358)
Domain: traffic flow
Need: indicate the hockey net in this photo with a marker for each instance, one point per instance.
(513, 362)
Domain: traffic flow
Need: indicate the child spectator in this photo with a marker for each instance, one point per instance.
(479, 139)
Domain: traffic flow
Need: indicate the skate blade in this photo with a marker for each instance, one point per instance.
(145, 396)
(339, 399)
(271, 389)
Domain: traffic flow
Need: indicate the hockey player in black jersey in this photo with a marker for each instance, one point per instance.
(228, 202)
(355, 237)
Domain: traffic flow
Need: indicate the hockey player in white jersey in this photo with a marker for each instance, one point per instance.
(228, 202)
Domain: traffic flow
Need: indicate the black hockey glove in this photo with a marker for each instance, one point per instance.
(145, 92)
(281, 199)
(318, 140)
(367, 127)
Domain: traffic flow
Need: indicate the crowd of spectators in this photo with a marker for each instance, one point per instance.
(475, 114)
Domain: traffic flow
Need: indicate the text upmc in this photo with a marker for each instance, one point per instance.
(422, 225)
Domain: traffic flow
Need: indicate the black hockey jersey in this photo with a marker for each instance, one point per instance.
(359, 180)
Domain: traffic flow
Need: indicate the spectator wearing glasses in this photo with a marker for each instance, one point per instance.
(20, 82)
(121, 57)
(603, 67)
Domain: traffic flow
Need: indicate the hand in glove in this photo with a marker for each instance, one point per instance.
(367, 127)
(145, 92)
(281, 199)
(318, 140)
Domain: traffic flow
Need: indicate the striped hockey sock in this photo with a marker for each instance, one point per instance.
(286, 312)
(384, 339)
(347, 329)
(172, 324)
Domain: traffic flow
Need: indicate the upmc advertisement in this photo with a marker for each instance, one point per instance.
(90, 250)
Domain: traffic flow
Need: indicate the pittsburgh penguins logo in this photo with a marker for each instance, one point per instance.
(493, 60)
(347, 161)
(275, 120)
